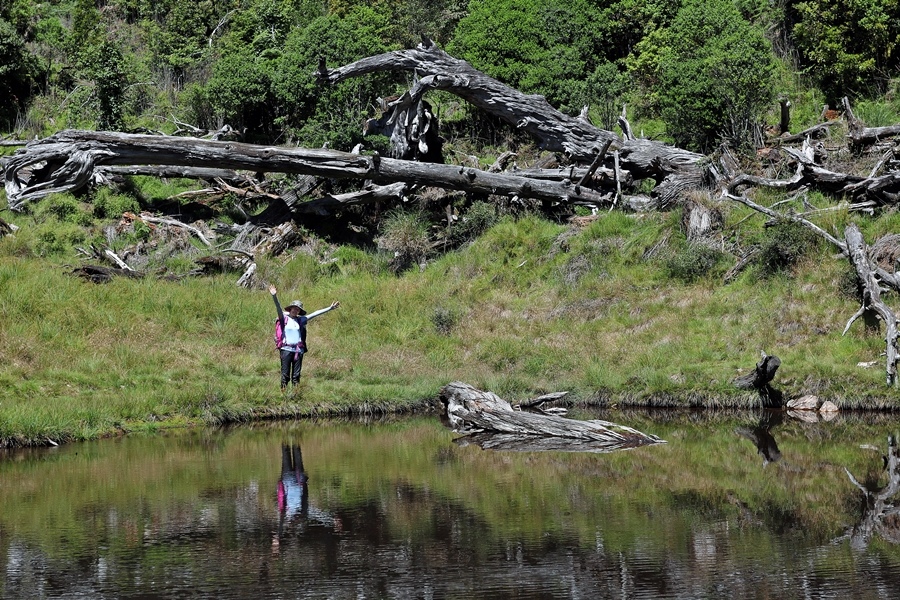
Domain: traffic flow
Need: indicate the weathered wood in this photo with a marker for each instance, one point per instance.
(814, 132)
(760, 380)
(175, 223)
(70, 157)
(99, 274)
(808, 224)
(872, 301)
(553, 130)
(7, 228)
(469, 410)
(329, 203)
(860, 135)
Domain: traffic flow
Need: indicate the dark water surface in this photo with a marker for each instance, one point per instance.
(735, 505)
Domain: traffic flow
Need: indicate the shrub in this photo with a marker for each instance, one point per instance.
(692, 262)
(480, 217)
(63, 208)
(443, 320)
(715, 72)
(785, 244)
(405, 235)
(110, 205)
(55, 238)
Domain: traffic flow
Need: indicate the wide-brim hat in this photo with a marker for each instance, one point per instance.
(298, 304)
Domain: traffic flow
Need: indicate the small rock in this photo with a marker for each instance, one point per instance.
(808, 402)
(828, 407)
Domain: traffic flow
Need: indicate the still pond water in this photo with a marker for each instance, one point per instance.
(736, 505)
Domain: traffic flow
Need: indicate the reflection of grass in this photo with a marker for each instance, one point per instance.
(650, 496)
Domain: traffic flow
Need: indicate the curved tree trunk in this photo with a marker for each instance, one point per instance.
(676, 169)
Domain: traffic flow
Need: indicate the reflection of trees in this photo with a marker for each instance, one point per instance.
(879, 515)
(762, 438)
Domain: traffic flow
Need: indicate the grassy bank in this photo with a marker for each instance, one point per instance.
(619, 311)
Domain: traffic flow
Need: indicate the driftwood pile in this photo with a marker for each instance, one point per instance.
(492, 423)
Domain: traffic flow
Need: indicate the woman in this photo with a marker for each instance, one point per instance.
(293, 347)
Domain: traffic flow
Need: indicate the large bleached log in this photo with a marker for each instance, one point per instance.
(469, 410)
(66, 161)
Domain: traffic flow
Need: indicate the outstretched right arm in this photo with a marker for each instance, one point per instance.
(273, 291)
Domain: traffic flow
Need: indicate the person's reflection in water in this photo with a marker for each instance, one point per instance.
(293, 495)
(762, 438)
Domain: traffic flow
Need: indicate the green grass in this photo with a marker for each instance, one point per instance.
(536, 307)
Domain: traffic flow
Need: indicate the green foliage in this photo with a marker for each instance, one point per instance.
(716, 72)
(178, 30)
(848, 47)
(18, 70)
(240, 91)
(111, 205)
(478, 218)
(264, 77)
(58, 238)
(64, 208)
(536, 46)
(106, 67)
(784, 244)
(443, 320)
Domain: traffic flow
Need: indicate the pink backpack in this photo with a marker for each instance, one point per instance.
(278, 335)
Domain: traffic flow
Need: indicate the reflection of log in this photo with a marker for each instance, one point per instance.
(511, 442)
(470, 410)
(879, 516)
(762, 438)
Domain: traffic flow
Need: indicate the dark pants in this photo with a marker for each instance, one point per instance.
(291, 363)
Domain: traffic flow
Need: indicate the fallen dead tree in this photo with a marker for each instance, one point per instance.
(674, 169)
(871, 298)
(493, 423)
(66, 161)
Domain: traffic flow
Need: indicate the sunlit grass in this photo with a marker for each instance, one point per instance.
(529, 307)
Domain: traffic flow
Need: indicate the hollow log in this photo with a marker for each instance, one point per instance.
(472, 411)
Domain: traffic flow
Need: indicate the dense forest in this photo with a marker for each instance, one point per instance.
(694, 71)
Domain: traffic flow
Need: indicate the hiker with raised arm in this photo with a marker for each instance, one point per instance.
(290, 336)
